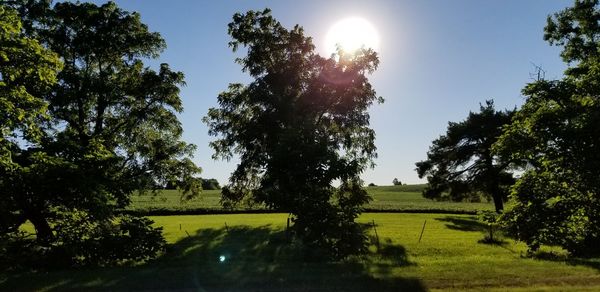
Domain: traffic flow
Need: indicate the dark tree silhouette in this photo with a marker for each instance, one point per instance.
(461, 164)
(298, 126)
(557, 133)
(210, 184)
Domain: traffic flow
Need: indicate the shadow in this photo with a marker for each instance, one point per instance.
(464, 223)
(472, 224)
(496, 242)
(564, 258)
(233, 259)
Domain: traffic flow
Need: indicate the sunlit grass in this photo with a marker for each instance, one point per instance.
(257, 257)
(385, 198)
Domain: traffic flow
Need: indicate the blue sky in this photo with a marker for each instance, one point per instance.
(439, 60)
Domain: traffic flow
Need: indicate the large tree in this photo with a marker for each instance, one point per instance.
(300, 125)
(460, 164)
(113, 127)
(26, 70)
(557, 133)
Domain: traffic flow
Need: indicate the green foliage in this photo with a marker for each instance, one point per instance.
(27, 70)
(460, 164)
(111, 128)
(85, 241)
(298, 126)
(490, 219)
(396, 182)
(557, 200)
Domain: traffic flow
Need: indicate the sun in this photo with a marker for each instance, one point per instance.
(351, 34)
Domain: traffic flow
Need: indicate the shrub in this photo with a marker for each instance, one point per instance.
(122, 239)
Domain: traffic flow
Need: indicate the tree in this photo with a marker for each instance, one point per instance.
(298, 126)
(396, 182)
(460, 164)
(26, 70)
(557, 200)
(210, 184)
(113, 127)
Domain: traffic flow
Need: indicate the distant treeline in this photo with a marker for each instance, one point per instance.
(401, 188)
(207, 184)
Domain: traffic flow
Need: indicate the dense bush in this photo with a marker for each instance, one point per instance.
(82, 241)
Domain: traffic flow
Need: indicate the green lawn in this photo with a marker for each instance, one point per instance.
(385, 198)
(257, 257)
(409, 198)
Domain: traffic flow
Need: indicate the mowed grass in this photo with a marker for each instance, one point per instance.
(409, 198)
(385, 198)
(257, 257)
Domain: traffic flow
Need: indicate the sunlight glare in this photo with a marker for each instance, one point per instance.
(351, 34)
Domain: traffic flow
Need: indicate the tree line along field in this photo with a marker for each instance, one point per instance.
(251, 252)
(404, 198)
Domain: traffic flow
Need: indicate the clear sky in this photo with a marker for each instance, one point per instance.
(439, 60)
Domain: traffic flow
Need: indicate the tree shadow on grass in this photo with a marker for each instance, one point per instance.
(472, 224)
(463, 223)
(565, 258)
(234, 259)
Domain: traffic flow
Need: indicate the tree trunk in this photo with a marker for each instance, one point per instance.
(497, 196)
(498, 203)
(43, 231)
(494, 183)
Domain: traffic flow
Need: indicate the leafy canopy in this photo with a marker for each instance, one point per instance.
(26, 70)
(112, 127)
(301, 124)
(557, 200)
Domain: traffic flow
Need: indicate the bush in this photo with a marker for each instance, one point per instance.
(121, 239)
(17, 251)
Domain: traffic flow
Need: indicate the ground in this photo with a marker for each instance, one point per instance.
(257, 256)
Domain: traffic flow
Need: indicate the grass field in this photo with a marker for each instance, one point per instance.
(385, 198)
(257, 257)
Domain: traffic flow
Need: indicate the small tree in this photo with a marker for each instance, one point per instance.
(396, 182)
(461, 164)
(298, 126)
(490, 219)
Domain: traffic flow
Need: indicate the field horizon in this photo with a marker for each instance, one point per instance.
(400, 198)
